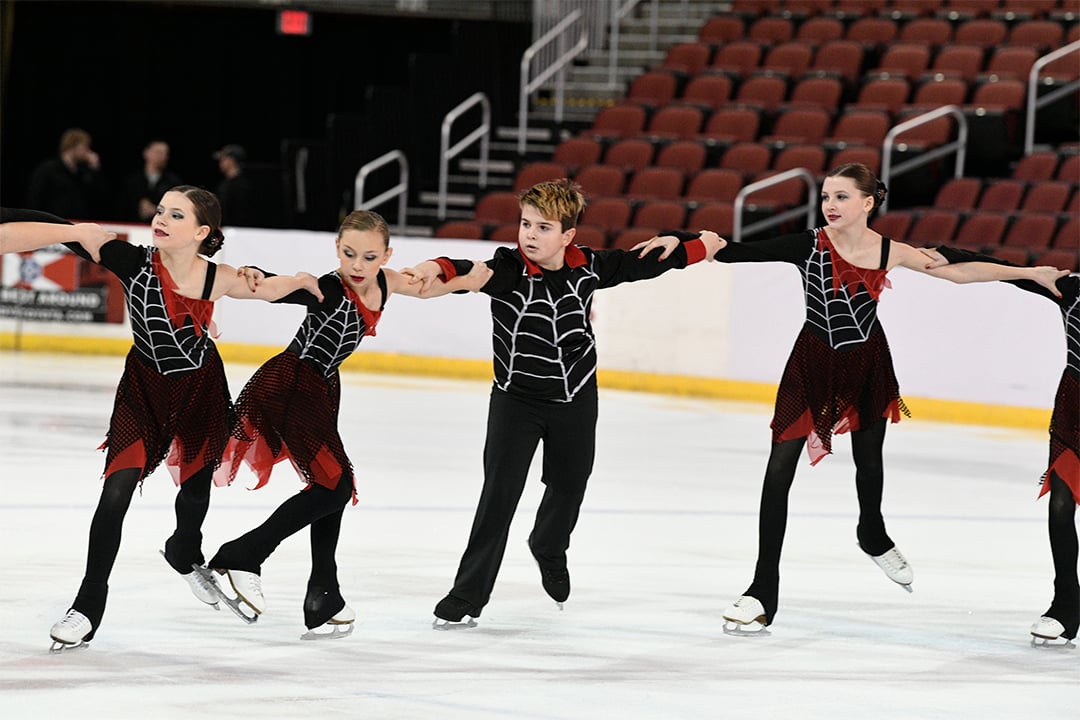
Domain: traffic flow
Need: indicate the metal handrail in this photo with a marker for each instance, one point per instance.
(446, 153)
(617, 14)
(809, 208)
(1033, 103)
(401, 189)
(959, 146)
(556, 67)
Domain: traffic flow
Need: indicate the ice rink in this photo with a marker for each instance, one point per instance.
(667, 538)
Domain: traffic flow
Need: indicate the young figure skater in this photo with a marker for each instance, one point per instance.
(289, 410)
(172, 398)
(545, 385)
(839, 377)
(1062, 477)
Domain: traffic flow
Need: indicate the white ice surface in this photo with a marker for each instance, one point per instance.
(666, 540)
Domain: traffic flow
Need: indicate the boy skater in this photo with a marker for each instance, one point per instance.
(545, 384)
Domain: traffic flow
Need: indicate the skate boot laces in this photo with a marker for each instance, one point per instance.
(71, 629)
(747, 609)
(248, 587)
(202, 588)
(895, 566)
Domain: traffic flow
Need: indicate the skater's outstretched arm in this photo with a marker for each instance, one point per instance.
(27, 236)
(248, 282)
(433, 278)
(976, 271)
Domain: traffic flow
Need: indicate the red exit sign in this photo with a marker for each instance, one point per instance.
(293, 22)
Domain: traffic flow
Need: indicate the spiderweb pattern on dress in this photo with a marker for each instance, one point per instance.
(1065, 421)
(168, 347)
(327, 339)
(1071, 315)
(840, 374)
(543, 356)
(289, 408)
(174, 401)
(841, 299)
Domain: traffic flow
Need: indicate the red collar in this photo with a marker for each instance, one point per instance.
(573, 257)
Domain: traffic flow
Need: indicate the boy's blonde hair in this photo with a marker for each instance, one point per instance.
(556, 199)
(363, 220)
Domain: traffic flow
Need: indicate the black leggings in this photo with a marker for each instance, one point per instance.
(316, 506)
(1063, 547)
(182, 549)
(866, 448)
(516, 426)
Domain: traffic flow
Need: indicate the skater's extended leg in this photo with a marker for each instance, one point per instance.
(866, 446)
(244, 556)
(514, 429)
(323, 601)
(772, 525)
(569, 451)
(1065, 608)
(184, 548)
(88, 609)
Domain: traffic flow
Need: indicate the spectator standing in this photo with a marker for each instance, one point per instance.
(234, 191)
(71, 184)
(142, 189)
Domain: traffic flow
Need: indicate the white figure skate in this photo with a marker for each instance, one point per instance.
(746, 616)
(70, 632)
(896, 567)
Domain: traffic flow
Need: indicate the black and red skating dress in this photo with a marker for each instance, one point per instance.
(840, 374)
(289, 407)
(1065, 420)
(172, 400)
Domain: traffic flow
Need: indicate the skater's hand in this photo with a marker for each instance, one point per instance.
(252, 276)
(479, 275)
(310, 283)
(667, 242)
(425, 274)
(1047, 276)
(934, 259)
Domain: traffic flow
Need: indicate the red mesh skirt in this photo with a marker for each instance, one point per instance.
(288, 410)
(1065, 436)
(824, 392)
(184, 416)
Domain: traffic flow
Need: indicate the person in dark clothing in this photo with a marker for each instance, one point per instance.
(545, 384)
(172, 403)
(839, 377)
(234, 191)
(1062, 477)
(289, 409)
(142, 189)
(70, 185)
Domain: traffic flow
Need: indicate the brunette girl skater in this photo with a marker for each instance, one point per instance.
(289, 410)
(839, 377)
(1062, 477)
(172, 399)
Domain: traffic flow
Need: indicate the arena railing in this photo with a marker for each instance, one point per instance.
(558, 34)
(401, 190)
(958, 146)
(447, 153)
(809, 208)
(1034, 102)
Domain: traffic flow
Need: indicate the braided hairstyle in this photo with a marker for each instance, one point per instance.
(207, 212)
